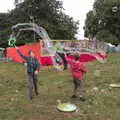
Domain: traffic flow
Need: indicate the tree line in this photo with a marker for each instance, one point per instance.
(47, 13)
(103, 22)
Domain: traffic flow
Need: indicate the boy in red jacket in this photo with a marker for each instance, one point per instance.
(78, 72)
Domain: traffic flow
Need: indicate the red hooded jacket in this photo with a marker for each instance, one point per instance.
(78, 69)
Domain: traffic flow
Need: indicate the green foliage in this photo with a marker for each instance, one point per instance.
(106, 35)
(104, 17)
(47, 13)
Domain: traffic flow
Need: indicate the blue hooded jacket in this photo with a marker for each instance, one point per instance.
(32, 63)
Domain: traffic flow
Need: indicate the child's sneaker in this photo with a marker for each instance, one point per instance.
(73, 96)
(36, 93)
(82, 99)
(31, 98)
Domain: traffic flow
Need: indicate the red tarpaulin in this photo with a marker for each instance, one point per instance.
(90, 57)
(45, 60)
(12, 53)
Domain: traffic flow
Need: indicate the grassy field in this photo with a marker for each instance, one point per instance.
(101, 104)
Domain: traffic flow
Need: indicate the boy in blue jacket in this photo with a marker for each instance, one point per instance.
(33, 67)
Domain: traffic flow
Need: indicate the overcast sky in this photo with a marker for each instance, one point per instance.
(75, 8)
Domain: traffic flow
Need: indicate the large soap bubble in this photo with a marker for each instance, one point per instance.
(18, 28)
(56, 59)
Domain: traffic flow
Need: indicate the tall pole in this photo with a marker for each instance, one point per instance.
(33, 21)
(33, 26)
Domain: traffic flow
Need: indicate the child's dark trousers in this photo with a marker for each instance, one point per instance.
(32, 79)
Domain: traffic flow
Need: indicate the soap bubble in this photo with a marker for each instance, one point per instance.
(17, 29)
(97, 73)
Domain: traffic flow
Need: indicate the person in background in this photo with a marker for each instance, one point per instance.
(78, 70)
(59, 50)
(33, 67)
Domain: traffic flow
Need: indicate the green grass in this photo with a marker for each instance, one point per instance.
(101, 104)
